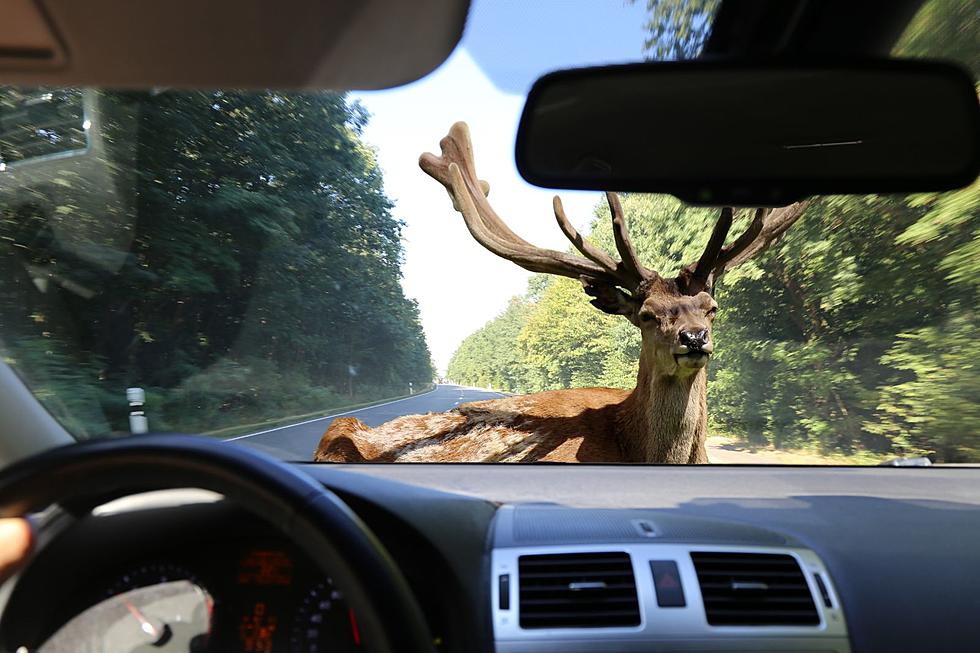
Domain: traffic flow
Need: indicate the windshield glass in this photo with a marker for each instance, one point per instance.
(255, 265)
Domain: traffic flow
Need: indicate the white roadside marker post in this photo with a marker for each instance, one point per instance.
(137, 416)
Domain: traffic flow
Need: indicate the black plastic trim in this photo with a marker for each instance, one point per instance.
(753, 192)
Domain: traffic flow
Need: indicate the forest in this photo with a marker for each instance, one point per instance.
(857, 332)
(232, 253)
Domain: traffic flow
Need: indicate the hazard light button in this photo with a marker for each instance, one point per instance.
(667, 581)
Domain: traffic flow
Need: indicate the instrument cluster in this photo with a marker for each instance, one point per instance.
(256, 598)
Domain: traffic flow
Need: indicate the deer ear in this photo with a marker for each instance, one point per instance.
(608, 298)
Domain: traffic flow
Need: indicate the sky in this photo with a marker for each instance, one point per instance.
(508, 43)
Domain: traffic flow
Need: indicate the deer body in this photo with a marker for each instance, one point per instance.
(556, 426)
(662, 420)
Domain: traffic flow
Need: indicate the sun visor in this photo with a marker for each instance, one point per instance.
(289, 44)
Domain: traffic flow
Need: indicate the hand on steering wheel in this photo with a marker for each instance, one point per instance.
(16, 543)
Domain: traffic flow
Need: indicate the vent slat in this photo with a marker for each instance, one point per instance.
(761, 613)
(750, 589)
(737, 560)
(576, 616)
(762, 602)
(563, 587)
(546, 599)
(726, 585)
(533, 599)
(576, 574)
(578, 602)
(755, 573)
(578, 564)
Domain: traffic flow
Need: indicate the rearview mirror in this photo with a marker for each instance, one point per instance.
(752, 134)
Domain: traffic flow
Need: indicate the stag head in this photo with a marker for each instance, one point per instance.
(674, 314)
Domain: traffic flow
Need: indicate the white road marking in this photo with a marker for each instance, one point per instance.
(319, 419)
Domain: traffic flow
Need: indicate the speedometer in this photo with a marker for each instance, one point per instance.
(164, 616)
(324, 622)
(147, 574)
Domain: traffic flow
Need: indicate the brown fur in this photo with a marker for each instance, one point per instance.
(663, 420)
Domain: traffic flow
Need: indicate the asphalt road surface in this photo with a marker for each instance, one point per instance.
(298, 441)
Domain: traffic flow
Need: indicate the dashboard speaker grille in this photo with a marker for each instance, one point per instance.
(577, 590)
(754, 589)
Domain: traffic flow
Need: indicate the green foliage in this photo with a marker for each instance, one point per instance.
(234, 392)
(945, 29)
(932, 407)
(678, 29)
(561, 343)
(856, 332)
(70, 389)
(951, 218)
(234, 253)
(490, 357)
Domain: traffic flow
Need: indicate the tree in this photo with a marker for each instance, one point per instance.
(945, 29)
(255, 263)
(490, 357)
(678, 29)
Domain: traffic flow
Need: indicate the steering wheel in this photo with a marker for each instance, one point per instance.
(304, 511)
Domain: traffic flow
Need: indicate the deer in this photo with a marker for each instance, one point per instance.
(663, 419)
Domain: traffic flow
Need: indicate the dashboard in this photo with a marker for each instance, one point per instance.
(537, 559)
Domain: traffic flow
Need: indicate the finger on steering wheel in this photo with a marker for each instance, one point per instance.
(16, 544)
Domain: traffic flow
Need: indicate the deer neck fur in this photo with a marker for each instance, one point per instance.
(665, 418)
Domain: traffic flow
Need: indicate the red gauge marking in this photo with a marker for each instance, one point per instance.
(353, 627)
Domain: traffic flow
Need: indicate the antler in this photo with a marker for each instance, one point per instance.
(766, 227)
(456, 170)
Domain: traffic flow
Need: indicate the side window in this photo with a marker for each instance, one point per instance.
(40, 123)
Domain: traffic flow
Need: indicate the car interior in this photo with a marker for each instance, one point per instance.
(184, 542)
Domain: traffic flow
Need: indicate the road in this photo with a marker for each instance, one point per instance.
(298, 441)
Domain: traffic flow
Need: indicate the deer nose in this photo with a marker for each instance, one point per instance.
(694, 340)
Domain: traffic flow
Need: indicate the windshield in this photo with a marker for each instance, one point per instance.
(267, 267)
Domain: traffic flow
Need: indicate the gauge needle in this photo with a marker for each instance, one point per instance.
(353, 627)
(145, 624)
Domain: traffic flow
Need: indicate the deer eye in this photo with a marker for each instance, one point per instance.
(649, 317)
(711, 311)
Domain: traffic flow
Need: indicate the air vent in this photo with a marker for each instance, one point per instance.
(577, 590)
(754, 589)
